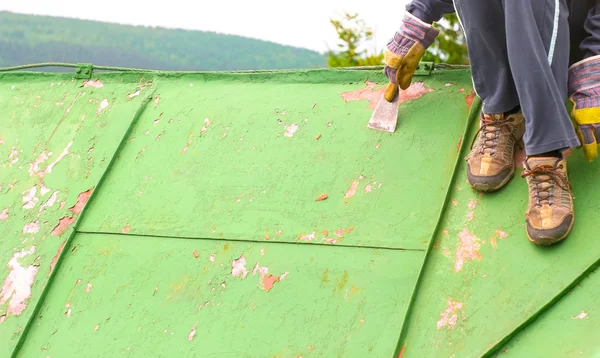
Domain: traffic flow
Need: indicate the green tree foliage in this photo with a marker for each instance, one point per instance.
(32, 39)
(449, 46)
(352, 33)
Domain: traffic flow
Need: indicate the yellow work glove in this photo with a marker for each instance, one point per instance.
(584, 93)
(404, 52)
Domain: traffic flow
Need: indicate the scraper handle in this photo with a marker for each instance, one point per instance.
(390, 92)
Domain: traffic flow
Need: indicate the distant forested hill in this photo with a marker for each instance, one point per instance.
(31, 39)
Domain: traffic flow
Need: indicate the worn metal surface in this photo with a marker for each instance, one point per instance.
(484, 279)
(56, 138)
(154, 297)
(196, 170)
(240, 160)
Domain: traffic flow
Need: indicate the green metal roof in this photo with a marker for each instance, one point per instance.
(150, 213)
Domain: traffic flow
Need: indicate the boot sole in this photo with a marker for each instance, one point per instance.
(487, 188)
(553, 241)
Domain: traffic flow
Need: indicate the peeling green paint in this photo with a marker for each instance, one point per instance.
(255, 214)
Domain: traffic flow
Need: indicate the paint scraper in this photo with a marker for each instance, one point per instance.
(385, 115)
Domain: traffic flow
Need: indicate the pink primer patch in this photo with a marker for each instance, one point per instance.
(192, 333)
(351, 190)
(329, 241)
(290, 130)
(370, 94)
(82, 199)
(211, 258)
(50, 202)
(104, 105)
(89, 287)
(449, 317)
(93, 83)
(308, 238)
(55, 258)
(4, 214)
(34, 168)
(470, 215)
(467, 249)
(238, 268)
(472, 204)
(126, 229)
(31, 228)
(29, 198)
(501, 234)
(368, 188)
(63, 224)
(17, 285)
(13, 156)
(582, 315)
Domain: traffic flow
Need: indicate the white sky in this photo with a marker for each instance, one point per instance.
(298, 23)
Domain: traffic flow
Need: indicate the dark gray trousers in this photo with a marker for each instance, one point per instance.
(519, 53)
(584, 23)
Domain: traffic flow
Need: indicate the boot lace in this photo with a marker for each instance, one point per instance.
(490, 131)
(543, 179)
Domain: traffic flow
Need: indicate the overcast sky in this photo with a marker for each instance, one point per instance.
(298, 23)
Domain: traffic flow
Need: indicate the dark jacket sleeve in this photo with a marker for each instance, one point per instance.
(430, 11)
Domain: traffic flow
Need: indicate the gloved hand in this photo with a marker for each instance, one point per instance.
(584, 93)
(404, 52)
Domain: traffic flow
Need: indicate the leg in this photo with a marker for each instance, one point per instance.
(591, 44)
(538, 51)
(490, 164)
(584, 24)
(482, 22)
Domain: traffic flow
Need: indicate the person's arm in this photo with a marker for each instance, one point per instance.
(430, 11)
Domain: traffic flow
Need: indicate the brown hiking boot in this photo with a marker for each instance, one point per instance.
(490, 165)
(550, 214)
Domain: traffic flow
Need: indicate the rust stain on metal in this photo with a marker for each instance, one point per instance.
(322, 197)
(55, 258)
(469, 99)
(82, 199)
(467, 249)
(63, 224)
(351, 190)
(449, 317)
(401, 352)
(17, 285)
(499, 235)
(372, 95)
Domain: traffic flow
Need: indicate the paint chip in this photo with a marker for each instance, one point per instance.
(4, 214)
(290, 130)
(55, 258)
(17, 285)
(82, 199)
(31, 228)
(93, 83)
(467, 249)
(63, 224)
(238, 267)
(351, 190)
(322, 197)
(29, 198)
(89, 287)
(582, 315)
(308, 238)
(196, 254)
(103, 106)
(192, 333)
(449, 317)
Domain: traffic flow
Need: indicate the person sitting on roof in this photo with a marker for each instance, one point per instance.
(519, 55)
